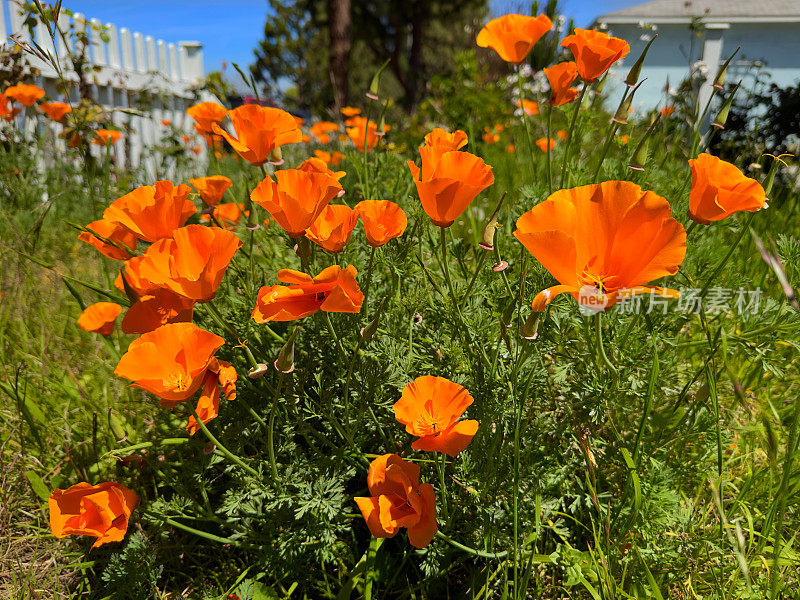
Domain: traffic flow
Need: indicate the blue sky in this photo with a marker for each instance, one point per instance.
(230, 29)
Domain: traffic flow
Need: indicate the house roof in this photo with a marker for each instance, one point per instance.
(681, 11)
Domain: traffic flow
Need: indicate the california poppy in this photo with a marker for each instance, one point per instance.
(101, 511)
(55, 110)
(192, 262)
(448, 182)
(719, 189)
(332, 228)
(603, 242)
(623, 139)
(166, 122)
(446, 141)
(562, 135)
(117, 242)
(296, 198)
(350, 111)
(152, 212)
(211, 188)
(429, 408)
(227, 214)
(530, 107)
(99, 317)
(322, 129)
(7, 112)
(330, 158)
(667, 111)
(513, 36)
(106, 137)
(261, 130)
(333, 290)
(594, 51)
(205, 115)
(491, 138)
(219, 374)
(170, 362)
(359, 131)
(541, 143)
(398, 500)
(154, 308)
(561, 77)
(25, 94)
(314, 164)
(383, 220)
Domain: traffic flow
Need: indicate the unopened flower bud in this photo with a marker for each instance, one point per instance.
(276, 157)
(258, 371)
(303, 248)
(487, 240)
(636, 69)
(508, 315)
(720, 77)
(722, 116)
(368, 331)
(530, 329)
(285, 361)
(376, 80)
(624, 109)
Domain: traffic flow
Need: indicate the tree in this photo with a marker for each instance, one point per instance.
(339, 17)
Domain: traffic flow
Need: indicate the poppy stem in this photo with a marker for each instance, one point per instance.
(721, 265)
(199, 533)
(612, 130)
(271, 431)
(469, 550)
(230, 455)
(689, 229)
(365, 303)
(445, 268)
(549, 150)
(524, 117)
(570, 133)
(598, 330)
(481, 258)
(329, 324)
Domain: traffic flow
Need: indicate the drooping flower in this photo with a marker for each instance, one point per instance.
(220, 374)
(261, 130)
(212, 188)
(322, 129)
(530, 107)
(227, 214)
(720, 189)
(397, 499)
(350, 111)
(170, 362)
(106, 137)
(561, 77)
(333, 290)
(117, 242)
(332, 228)
(445, 141)
(101, 511)
(99, 317)
(55, 110)
(25, 94)
(296, 198)
(383, 221)
(541, 143)
(360, 133)
(330, 158)
(594, 51)
(513, 36)
(152, 212)
(603, 242)
(205, 115)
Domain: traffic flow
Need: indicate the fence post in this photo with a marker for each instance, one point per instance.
(192, 69)
(2, 21)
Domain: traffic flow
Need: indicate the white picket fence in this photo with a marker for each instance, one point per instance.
(129, 68)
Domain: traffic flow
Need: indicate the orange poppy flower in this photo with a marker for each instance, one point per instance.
(333, 290)
(154, 308)
(398, 500)
(513, 36)
(719, 189)
(205, 115)
(531, 108)
(186, 139)
(166, 122)
(7, 113)
(322, 129)
(124, 241)
(667, 111)
(152, 212)
(25, 94)
(99, 317)
(350, 111)
(101, 511)
(261, 130)
(511, 148)
(357, 133)
(383, 221)
(314, 164)
(228, 215)
(623, 139)
(297, 198)
(446, 141)
(594, 51)
(491, 138)
(448, 182)
(541, 143)
(106, 137)
(211, 188)
(562, 135)
(55, 110)
(334, 158)
(170, 362)
(429, 408)
(561, 77)
(603, 242)
(219, 374)
(192, 262)
(332, 228)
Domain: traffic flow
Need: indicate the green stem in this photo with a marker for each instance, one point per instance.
(445, 268)
(271, 431)
(612, 130)
(598, 330)
(549, 151)
(481, 258)
(570, 133)
(365, 303)
(525, 120)
(329, 324)
(202, 534)
(469, 550)
(721, 265)
(230, 455)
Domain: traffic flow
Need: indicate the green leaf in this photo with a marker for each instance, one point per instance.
(38, 485)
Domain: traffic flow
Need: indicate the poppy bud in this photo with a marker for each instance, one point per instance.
(508, 314)
(258, 371)
(376, 79)
(773, 170)
(285, 361)
(303, 248)
(720, 77)
(369, 330)
(639, 157)
(624, 108)
(530, 329)
(722, 116)
(276, 156)
(598, 89)
(131, 293)
(636, 69)
(116, 425)
(487, 240)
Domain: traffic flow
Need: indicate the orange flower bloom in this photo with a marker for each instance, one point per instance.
(55, 110)
(603, 242)
(511, 148)
(541, 143)
(170, 362)
(99, 317)
(155, 308)
(562, 135)
(219, 374)
(333, 290)
(332, 228)
(297, 198)
(429, 408)
(513, 36)
(106, 137)
(211, 188)
(594, 51)
(561, 77)
(192, 262)
(448, 182)
(667, 111)
(186, 139)
(152, 212)
(491, 138)
(124, 241)
(719, 189)
(531, 108)
(350, 111)
(383, 220)
(623, 139)
(166, 122)
(399, 500)
(444, 141)
(228, 215)
(330, 158)
(25, 94)
(357, 133)
(322, 129)
(205, 115)
(6, 112)
(314, 164)
(261, 130)
(101, 511)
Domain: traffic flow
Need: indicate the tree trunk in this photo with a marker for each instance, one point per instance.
(339, 21)
(416, 67)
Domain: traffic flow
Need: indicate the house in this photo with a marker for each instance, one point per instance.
(697, 36)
